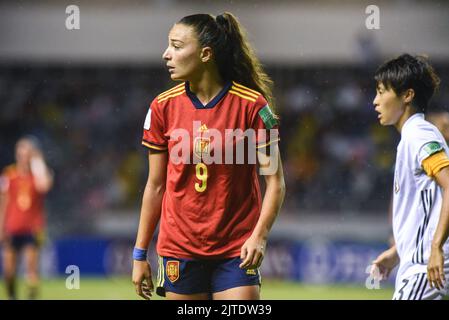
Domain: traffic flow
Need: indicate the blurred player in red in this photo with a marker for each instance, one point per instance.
(213, 222)
(23, 186)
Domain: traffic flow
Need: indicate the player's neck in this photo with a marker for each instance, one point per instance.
(206, 86)
(23, 168)
(409, 111)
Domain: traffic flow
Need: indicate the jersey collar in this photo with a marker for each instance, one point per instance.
(198, 104)
(419, 115)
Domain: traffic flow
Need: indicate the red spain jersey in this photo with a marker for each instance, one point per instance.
(209, 208)
(24, 204)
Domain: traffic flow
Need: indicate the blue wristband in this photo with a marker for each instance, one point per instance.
(139, 254)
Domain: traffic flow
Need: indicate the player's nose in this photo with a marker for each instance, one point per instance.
(376, 101)
(166, 55)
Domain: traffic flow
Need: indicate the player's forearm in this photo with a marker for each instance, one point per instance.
(442, 231)
(272, 202)
(149, 214)
(394, 252)
(2, 218)
(2, 211)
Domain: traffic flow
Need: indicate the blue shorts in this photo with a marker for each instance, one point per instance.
(19, 241)
(191, 276)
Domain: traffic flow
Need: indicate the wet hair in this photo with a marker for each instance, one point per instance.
(410, 72)
(234, 56)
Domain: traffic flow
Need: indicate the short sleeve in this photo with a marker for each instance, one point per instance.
(424, 142)
(154, 128)
(265, 124)
(428, 149)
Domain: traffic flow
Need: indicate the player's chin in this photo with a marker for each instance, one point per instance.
(176, 77)
(383, 122)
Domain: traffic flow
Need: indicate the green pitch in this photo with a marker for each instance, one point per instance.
(122, 288)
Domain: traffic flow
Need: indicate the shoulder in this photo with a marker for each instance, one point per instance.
(9, 171)
(245, 93)
(253, 100)
(419, 131)
(423, 139)
(168, 95)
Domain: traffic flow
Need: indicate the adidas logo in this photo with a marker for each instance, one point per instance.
(203, 128)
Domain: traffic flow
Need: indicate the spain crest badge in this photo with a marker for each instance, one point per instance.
(172, 269)
(201, 147)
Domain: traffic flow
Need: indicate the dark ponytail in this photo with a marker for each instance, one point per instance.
(234, 56)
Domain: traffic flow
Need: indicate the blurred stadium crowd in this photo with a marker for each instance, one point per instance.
(89, 120)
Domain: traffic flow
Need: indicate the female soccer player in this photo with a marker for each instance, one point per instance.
(23, 186)
(213, 223)
(421, 181)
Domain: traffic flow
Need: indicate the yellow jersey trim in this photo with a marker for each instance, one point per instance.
(153, 147)
(242, 96)
(267, 144)
(171, 90)
(245, 88)
(245, 92)
(170, 93)
(171, 96)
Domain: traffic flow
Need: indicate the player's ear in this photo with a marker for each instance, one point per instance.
(408, 95)
(206, 54)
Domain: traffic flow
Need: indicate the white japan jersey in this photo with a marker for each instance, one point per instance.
(417, 198)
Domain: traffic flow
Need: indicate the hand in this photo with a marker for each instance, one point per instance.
(142, 279)
(37, 165)
(35, 152)
(385, 263)
(252, 253)
(435, 269)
